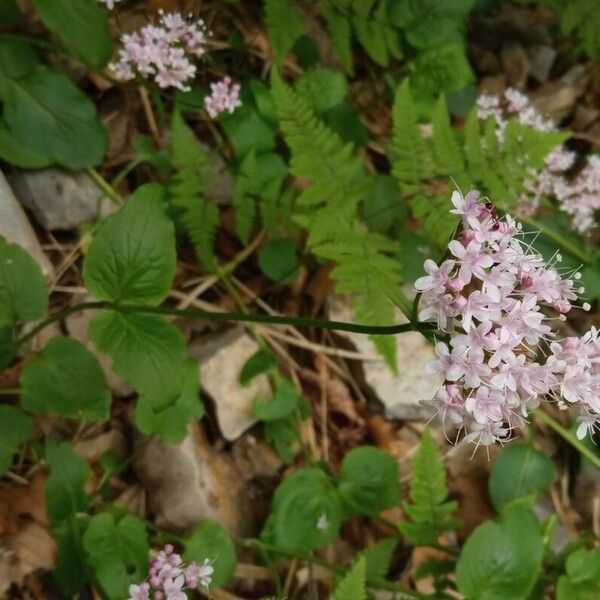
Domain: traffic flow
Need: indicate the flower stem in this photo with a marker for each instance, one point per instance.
(568, 436)
(198, 313)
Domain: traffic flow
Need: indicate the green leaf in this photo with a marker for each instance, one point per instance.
(354, 585)
(23, 291)
(383, 206)
(66, 379)
(149, 353)
(283, 403)
(322, 88)
(379, 557)
(430, 512)
(582, 578)
(198, 217)
(501, 559)
(369, 481)
(15, 428)
(209, 541)
(65, 494)
(17, 57)
(71, 572)
(81, 25)
(278, 261)
(262, 361)
(519, 471)
(284, 26)
(10, 13)
(246, 130)
(341, 36)
(282, 434)
(117, 551)
(47, 113)
(306, 512)
(132, 257)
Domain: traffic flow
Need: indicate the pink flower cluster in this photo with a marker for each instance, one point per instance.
(578, 196)
(169, 577)
(164, 52)
(495, 299)
(224, 96)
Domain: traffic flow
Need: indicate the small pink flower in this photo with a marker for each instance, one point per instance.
(224, 97)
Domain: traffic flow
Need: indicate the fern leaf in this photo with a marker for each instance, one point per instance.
(379, 557)
(341, 36)
(434, 218)
(409, 153)
(337, 177)
(449, 155)
(365, 270)
(198, 218)
(430, 513)
(354, 584)
(473, 144)
(284, 26)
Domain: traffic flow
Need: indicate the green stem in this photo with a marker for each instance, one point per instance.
(106, 187)
(556, 237)
(568, 436)
(375, 582)
(198, 313)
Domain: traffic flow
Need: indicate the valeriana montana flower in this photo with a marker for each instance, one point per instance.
(495, 301)
(224, 97)
(164, 52)
(169, 577)
(578, 195)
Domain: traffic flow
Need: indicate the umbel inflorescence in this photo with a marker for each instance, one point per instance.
(166, 52)
(495, 300)
(169, 577)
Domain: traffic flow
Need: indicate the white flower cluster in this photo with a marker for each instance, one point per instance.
(224, 97)
(578, 196)
(496, 299)
(164, 52)
(169, 577)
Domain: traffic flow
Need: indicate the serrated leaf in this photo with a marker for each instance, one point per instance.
(46, 112)
(322, 88)
(198, 217)
(81, 25)
(379, 557)
(23, 291)
(132, 257)
(149, 353)
(501, 559)
(278, 261)
(65, 494)
(209, 541)
(66, 379)
(429, 511)
(353, 586)
(306, 512)
(284, 26)
(117, 551)
(369, 481)
(340, 31)
(15, 428)
(519, 471)
(282, 434)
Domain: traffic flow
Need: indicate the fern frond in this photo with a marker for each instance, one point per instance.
(430, 512)
(340, 31)
(337, 177)
(365, 270)
(410, 159)
(433, 215)
(354, 584)
(449, 155)
(284, 27)
(198, 218)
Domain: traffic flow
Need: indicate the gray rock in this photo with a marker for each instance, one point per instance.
(15, 227)
(555, 99)
(401, 394)
(221, 360)
(59, 199)
(542, 60)
(516, 65)
(191, 481)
